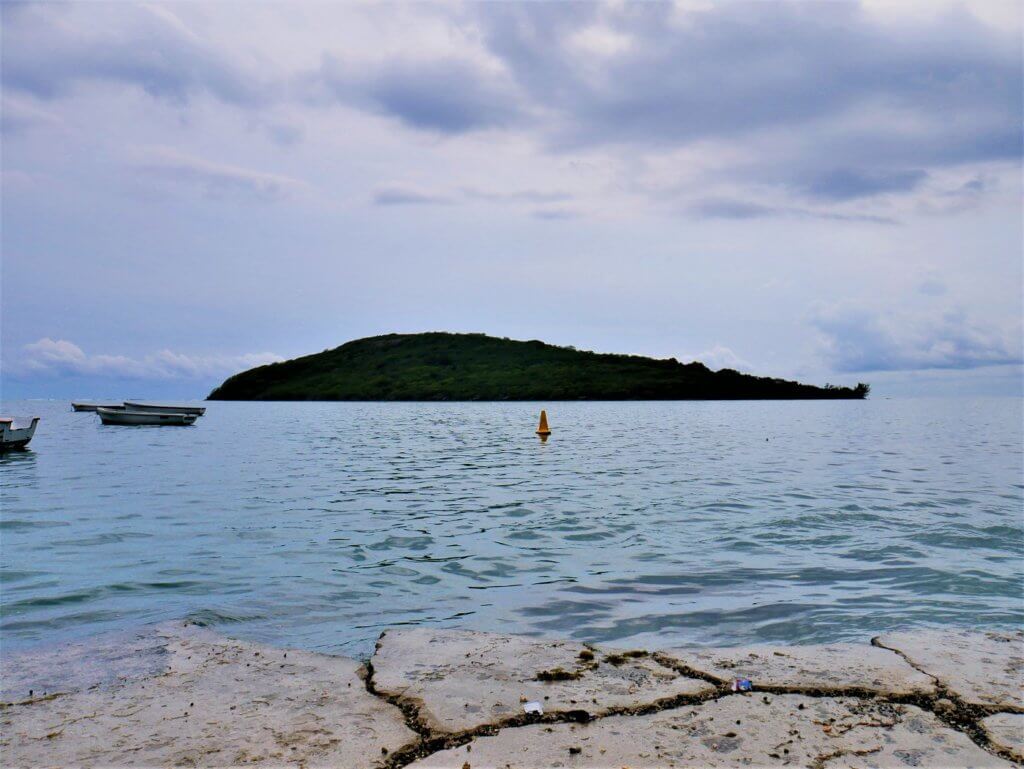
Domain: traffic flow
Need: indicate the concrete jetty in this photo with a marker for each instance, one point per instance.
(452, 698)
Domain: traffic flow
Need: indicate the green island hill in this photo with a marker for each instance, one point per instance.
(439, 366)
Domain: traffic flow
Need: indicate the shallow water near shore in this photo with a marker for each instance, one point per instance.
(318, 525)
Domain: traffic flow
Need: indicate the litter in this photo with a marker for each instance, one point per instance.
(534, 707)
(742, 685)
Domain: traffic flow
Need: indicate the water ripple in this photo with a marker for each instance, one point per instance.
(320, 525)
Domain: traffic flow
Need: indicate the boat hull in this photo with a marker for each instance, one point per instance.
(93, 406)
(131, 418)
(157, 408)
(14, 435)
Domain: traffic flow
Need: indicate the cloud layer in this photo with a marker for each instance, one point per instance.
(822, 187)
(857, 339)
(50, 55)
(817, 104)
(59, 357)
(164, 164)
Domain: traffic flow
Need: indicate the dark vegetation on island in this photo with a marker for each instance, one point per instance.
(475, 367)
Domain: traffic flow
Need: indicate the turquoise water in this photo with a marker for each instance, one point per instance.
(319, 525)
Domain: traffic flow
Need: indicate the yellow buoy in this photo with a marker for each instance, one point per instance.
(542, 429)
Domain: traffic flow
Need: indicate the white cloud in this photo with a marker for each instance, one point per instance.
(600, 40)
(59, 357)
(719, 357)
(20, 114)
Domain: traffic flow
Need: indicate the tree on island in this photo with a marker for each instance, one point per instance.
(440, 366)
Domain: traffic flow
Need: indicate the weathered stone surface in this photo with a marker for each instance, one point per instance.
(787, 730)
(810, 668)
(99, 661)
(462, 679)
(982, 668)
(1006, 731)
(217, 703)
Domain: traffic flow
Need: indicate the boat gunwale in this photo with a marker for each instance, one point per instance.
(159, 408)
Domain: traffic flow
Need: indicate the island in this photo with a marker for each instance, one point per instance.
(440, 366)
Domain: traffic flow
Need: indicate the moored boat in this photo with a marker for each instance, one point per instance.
(80, 406)
(128, 416)
(15, 433)
(163, 408)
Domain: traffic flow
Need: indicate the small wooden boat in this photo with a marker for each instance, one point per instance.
(16, 434)
(126, 416)
(79, 406)
(163, 408)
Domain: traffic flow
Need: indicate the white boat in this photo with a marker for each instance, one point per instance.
(15, 433)
(80, 406)
(126, 416)
(163, 408)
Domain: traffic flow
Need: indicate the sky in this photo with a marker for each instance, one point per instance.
(825, 191)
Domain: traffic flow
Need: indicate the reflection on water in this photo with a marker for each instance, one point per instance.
(319, 525)
(17, 457)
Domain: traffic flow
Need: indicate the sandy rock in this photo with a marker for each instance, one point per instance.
(217, 703)
(810, 668)
(982, 668)
(787, 730)
(464, 679)
(1006, 730)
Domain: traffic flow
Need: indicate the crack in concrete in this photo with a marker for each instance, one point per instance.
(431, 742)
(820, 761)
(950, 709)
(954, 712)
(877, 642)
(670, 662)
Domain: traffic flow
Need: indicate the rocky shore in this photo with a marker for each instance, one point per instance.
(449, 698)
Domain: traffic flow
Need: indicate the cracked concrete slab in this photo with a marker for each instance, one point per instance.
(217, 702)
(737, 730)
(981, 668)
(834, 667)
(461, 680)
(1006, 732)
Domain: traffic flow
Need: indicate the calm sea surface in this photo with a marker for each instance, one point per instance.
(319, 525)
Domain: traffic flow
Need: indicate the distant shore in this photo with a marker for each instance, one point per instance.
(450, 698)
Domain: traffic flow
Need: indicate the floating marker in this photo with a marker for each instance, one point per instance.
(542, 429)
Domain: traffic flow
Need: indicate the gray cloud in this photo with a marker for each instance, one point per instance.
(527, 196)
(857, 339)
(400, 194)
(834, 105)
(932, 286)
(828, 103)
(216, 180)
(449, 96)
(555, 214)
(727, 208)
(46, 55)
(730, 208)
(284, 134)
(848, 184)
(739, 68)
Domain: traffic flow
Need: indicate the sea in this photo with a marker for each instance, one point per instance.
(636, 524)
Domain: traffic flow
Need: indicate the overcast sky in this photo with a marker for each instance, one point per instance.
(825, 191)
